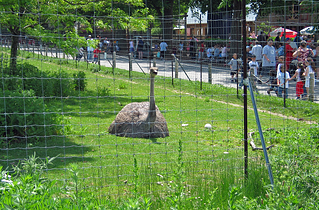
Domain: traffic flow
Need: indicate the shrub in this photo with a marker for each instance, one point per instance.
(24, 117)
(79, 81)
(29, 77)
(62, 84)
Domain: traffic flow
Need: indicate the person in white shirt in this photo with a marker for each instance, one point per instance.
(131, 46)
(90, 44)
(254, 65)
(224, 52)
(309, 69)
(300, 76)
(283, 82)
(257, 51)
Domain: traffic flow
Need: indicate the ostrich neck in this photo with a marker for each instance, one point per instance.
(152, 112)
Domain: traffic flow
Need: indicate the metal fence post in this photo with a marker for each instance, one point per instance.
(130, 64)
(114, 61)
(176, 67)
(210, 73)
(154, 61)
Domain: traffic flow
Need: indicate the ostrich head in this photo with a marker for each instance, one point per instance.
(153, 71)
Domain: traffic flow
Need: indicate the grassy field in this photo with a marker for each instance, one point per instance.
(191, 163)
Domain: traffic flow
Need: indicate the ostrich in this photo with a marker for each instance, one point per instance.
(141, 120)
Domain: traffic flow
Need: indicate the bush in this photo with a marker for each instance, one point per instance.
(79, 81)
(29, 77)
(24, 117)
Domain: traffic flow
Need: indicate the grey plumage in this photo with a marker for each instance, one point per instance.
(141, 120)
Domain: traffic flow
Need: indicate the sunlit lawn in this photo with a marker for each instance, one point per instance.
(107, 161)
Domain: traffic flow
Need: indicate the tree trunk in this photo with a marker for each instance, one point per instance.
(14, 54)
(235, 45)
(168, 23)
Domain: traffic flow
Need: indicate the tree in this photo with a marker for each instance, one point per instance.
(37, 18)
(167, 12)
(54, 21)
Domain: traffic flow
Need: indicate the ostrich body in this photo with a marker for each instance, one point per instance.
(141, 120)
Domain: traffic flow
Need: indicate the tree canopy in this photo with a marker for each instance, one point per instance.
(55, 20)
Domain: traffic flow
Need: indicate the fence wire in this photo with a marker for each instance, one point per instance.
(61, 96)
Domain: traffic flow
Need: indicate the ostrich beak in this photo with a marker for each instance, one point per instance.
(153, 70)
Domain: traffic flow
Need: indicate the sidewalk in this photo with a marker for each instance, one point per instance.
(220, 73)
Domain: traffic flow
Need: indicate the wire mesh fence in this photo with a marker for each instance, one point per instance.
(68, 71)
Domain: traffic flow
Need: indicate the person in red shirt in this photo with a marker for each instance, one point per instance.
(289, 52)
(96, 52)
(201, 51)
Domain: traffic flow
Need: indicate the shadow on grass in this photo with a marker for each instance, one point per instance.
(61, 147)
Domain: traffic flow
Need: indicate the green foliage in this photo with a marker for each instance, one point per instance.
(122, 86)
(29, 77)
(265, 27)
(79, 80)
(210, 183)
(27, 189)
(24, 118)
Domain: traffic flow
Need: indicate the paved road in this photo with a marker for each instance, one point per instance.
(220, 72)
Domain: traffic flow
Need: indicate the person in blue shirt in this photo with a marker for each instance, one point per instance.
(163, 46)
(269, 58)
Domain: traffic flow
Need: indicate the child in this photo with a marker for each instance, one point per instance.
(234, 67)
(96, 52)
(273, 82)
(279, 63)
(310, 67)
(300, 79)
(282, 81)
(254, 64)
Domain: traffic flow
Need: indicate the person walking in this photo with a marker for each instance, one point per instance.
(201, 51)
(180, 49)
(96, 52)
(132, 47)
(90, 44)
(140, 46)
(163, 48)
(299, 74)
(234, 67)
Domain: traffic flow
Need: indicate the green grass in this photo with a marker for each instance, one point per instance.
(199, 161)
